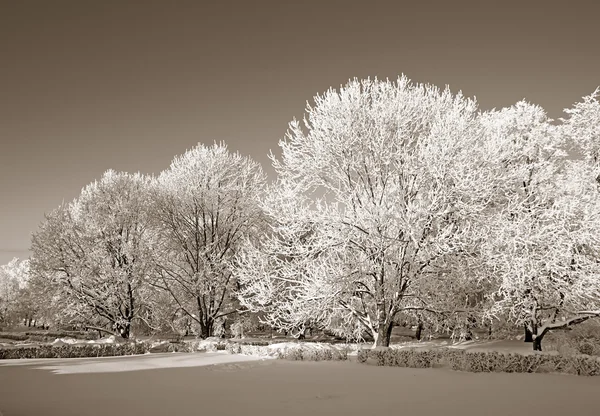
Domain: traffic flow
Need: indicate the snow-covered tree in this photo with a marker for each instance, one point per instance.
(582, 127)
(548, 259)
(376, 197)
(97, 249)
(543, 230)
(204, 205)
(13, 282)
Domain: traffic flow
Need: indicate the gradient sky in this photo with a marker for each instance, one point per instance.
(90, 85)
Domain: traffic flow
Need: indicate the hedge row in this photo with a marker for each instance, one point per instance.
(489, 361)
(74, 351)
(15, 336)
(64, 334)
(46, 335)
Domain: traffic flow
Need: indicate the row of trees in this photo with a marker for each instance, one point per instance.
(151, 249)
(392, 200)
(429, 205)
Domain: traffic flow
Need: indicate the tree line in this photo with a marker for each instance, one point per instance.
(392, 201)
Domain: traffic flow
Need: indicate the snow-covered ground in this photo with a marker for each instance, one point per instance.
(130, 363)
(278, 387)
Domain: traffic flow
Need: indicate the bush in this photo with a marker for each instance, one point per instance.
(298, 352)
(233, 348)
(586, 347)
(256, 350)
(74, 351)
(259, 342)
(491, 361)
(209, 344)
(573, 343)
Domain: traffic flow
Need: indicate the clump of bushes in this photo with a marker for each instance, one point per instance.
(580, 340)
(259, 342)
(327, 354)
(258, 350)
(75, 350)
(298, 352)
(488, 361)
(205, 345)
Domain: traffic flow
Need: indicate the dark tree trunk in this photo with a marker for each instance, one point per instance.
(384, 334)
(528, 334)
(419, 331)
(537, 341)
(206, 329)
(124, 330)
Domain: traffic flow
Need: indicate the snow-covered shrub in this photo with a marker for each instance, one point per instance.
(208, 345)
(294, 354)
(233, 348)
(292, 351)
(257, 350)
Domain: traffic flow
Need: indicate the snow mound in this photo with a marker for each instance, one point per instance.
(305, 346)
(208, 344)
(65, 341)
(107, 340)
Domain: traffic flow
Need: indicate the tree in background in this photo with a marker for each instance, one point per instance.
(204, 205)
(547, 260)
(542, 244)
(97, 251)
(582, 128)
(14, 302)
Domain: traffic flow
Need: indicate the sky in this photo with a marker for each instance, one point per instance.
(89, 86)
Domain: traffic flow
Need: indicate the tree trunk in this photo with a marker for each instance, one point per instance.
(384, 334)
(419, 331)
(528, 334)
(124, 330)
(206, 329)
(537, 340)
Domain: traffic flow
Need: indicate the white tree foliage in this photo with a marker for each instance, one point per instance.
(204, 205)
(97, 249)
(542, 232)
(402, 171)
(14, 277)
(582, 126)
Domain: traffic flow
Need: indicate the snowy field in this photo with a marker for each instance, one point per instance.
(221, 384)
